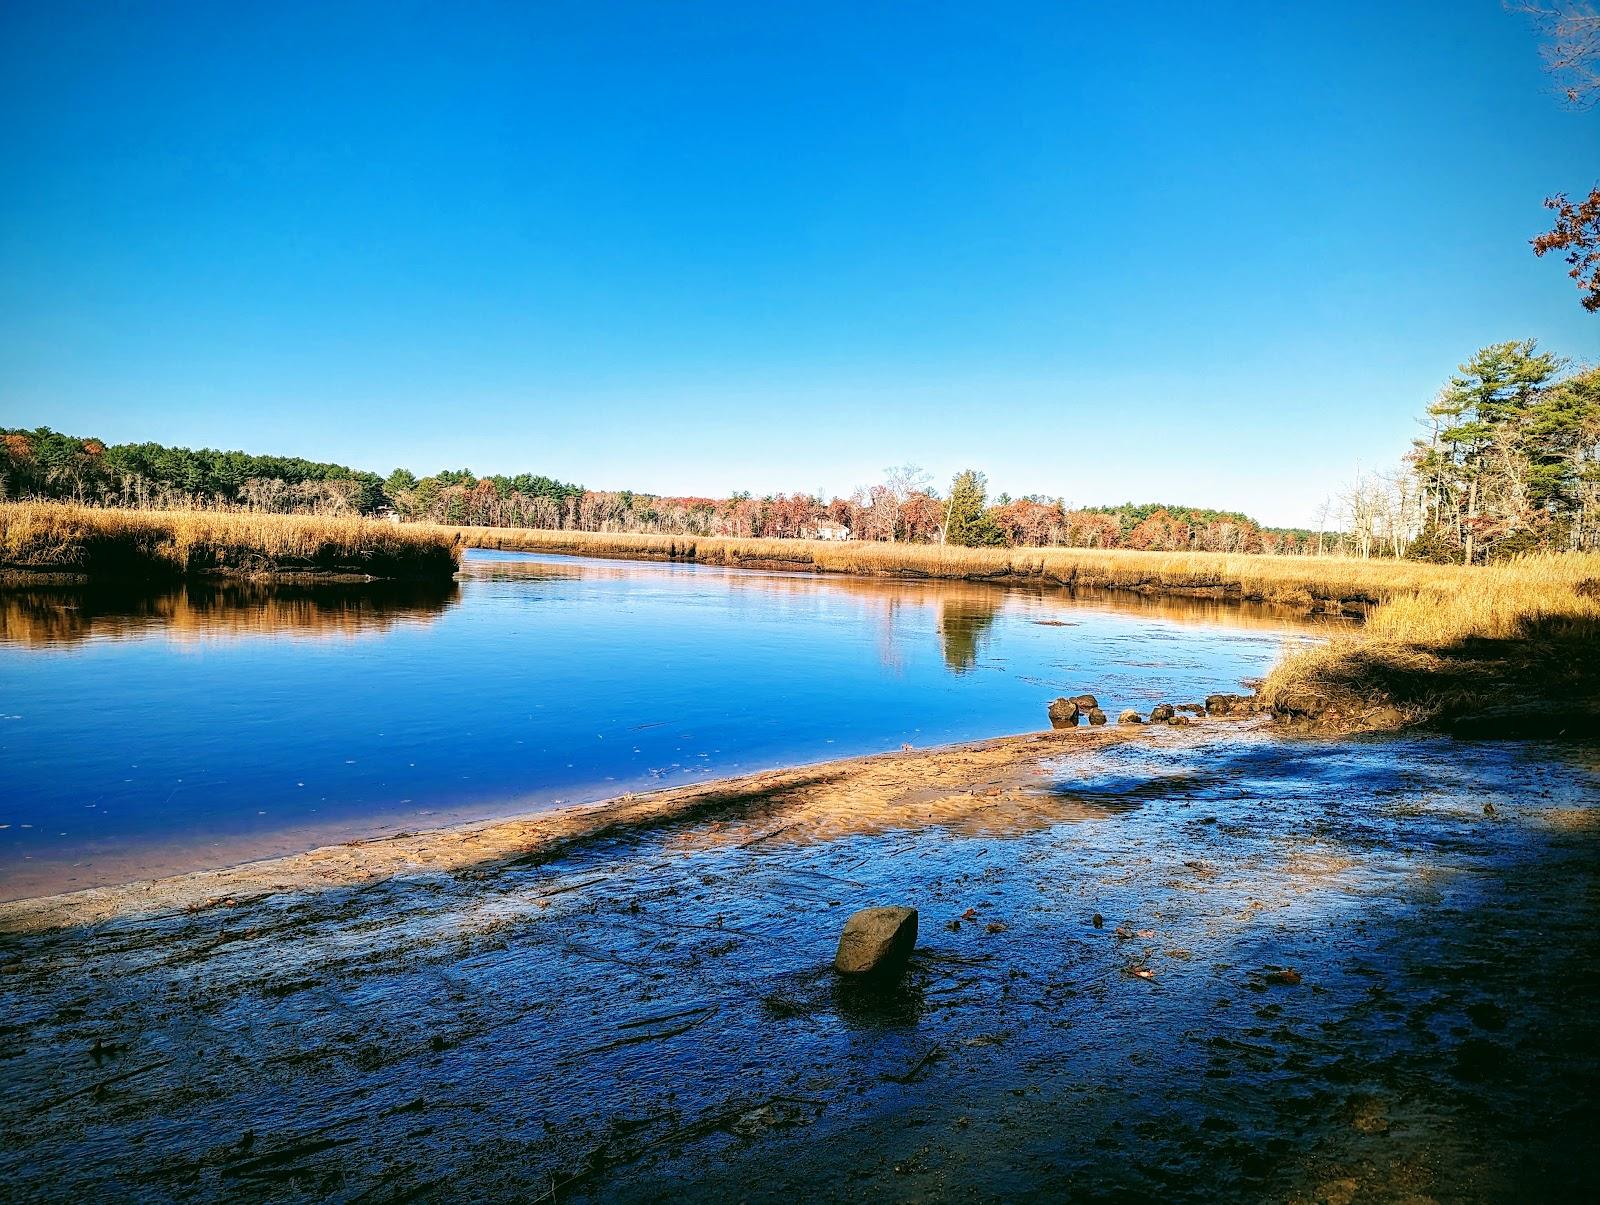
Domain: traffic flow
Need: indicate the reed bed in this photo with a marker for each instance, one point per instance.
(1332, 583)
(60, 538)
(1521, 634)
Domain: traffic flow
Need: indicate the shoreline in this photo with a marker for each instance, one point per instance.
(1176, 963)
(1319, 585)
(1007, 764)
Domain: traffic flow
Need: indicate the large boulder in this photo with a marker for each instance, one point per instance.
(1096, 716)
(1064, 713)
(1085, 702)
(1130, 717)
(1162, 712)
(876, 941)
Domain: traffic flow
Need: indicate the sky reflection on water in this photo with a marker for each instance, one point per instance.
(163, 731)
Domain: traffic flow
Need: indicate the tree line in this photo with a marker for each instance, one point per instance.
(42, 463)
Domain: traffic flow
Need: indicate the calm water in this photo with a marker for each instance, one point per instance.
(145, 734)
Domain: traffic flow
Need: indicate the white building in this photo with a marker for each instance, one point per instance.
(827, 529)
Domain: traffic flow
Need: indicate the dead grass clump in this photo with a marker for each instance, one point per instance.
(63, 538)
(1522, 633)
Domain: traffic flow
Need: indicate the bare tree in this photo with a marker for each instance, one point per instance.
(1571, 33)
(899, 484)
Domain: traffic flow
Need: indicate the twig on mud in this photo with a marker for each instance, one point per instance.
(266, 1164)
(686, 1012)
(767, 836)
(572, 887)
(934, 1052)
(633, 1039)
(95, 1087)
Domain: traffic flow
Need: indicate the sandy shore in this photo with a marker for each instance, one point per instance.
(984, 782)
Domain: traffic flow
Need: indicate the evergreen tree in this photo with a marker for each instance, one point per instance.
(967, 518)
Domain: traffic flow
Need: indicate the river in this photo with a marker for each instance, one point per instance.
(151, 732)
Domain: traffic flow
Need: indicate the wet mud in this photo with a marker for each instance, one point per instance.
(1192, 965)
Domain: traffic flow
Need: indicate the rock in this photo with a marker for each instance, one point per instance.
(1130, 717)
(1191, 708)
(1161, 713)
(1085, 702)
(1063, 713)
(876, 940)
(1096, 716)
(1180, 721)
(1230, 704)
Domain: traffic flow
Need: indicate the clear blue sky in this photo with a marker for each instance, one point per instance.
(1215, 254)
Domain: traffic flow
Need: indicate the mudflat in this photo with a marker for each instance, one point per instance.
(1204, 962)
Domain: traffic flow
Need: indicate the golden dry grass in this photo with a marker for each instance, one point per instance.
(1297, 581)
(1524, 631)
(59, 537)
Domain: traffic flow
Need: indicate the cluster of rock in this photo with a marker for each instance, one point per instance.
(1068, 713)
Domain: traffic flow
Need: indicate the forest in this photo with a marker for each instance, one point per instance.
(1509, 463)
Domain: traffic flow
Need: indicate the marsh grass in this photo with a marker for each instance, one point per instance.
(60, 538)
(1523, 634)
(1332, 583)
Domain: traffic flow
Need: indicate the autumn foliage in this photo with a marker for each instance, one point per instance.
(1577, 234)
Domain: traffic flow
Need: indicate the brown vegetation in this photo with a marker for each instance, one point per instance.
(1330, 583)
(1519, 635)
(60, 538)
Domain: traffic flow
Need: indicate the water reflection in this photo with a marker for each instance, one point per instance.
(65, 615)
(962, 625)
(146, 732)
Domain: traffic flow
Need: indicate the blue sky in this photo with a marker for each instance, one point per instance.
(1217, 254)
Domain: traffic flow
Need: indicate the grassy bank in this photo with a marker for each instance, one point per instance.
(1332, 583)
(1519, 637)
(61, 538)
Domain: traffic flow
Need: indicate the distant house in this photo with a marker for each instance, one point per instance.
(827, 529)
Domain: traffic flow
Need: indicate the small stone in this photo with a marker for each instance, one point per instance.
(1096, 716)
(1180, 721)
(1064, 714)
(876, 940)
(1130, 717)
